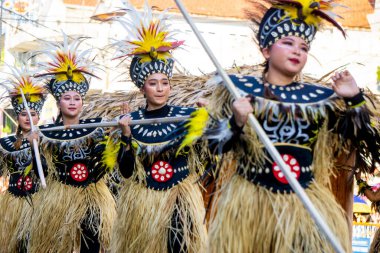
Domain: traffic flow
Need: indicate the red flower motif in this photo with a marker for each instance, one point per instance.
(292, 163)
(24, 184)
(161, 171)
(79, 172)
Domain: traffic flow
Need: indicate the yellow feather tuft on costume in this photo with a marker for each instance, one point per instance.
(195, 127)
(148, 37)
(308, 6)
(110, 153)
(308, 10)
(152, 40)
(31, 91)
(66, 68)
(28, 169)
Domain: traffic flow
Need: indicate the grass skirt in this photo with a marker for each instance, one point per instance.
(59, 212)
(13, 220)
(247, 218)
(144, 217)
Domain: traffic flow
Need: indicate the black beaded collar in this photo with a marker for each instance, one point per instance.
(7, 144)
(69, 134)
(300, 93)
(158, 132)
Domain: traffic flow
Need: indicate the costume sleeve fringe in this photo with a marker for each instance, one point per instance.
(359, 130)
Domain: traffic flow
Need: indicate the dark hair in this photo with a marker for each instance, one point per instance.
(18, 142)
(59, 117)
(268, 93)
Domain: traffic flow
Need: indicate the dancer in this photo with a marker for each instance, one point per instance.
(77, 210)
(257, 210)
(17, 161)
(160, 207)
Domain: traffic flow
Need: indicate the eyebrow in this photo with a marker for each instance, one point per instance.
(154, 79)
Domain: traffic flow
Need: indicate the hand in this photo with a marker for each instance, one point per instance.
(125, 108)
(344, 84)
(124, 125)
(33, 136)
(241, 108)
(202, 102)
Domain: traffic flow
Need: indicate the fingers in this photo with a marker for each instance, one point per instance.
(125, 120)
(202, 102)
(124, 125)
(125, 108)
(241, 108)
(340, 75)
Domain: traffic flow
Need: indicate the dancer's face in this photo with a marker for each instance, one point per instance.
(287, 56)
(70, 104)
(24, 122)
(156, 90)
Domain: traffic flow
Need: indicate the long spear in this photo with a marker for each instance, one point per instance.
(115, 123)
(35, 144)
(265, 140)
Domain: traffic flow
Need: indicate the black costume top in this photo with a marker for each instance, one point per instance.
(155, 146)
(20, 165)
(76, 153)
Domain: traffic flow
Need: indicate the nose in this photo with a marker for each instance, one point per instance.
(297, 50)
(159, 87)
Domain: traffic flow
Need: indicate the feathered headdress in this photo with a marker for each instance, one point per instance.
(149, 42)
(67, 67)
(282, 18)
(21, 79)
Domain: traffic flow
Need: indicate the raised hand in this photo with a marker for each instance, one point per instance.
(124, 125)
(344, 84)
(241, 108)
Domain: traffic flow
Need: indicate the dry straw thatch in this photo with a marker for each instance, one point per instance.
(186, 91)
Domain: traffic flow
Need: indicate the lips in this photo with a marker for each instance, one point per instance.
(294, 60)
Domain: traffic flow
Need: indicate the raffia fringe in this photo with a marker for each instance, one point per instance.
(11, 212)
(59, 212)
(247, 218)
(144, 217)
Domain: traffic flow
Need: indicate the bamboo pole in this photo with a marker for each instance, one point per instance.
(115, 123)
(35, 144)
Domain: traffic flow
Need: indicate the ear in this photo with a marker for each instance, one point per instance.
(142, 90)
(266, 53)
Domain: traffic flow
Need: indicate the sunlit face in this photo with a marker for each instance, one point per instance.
(287, 56)
(24, 122)
(156, 90)
(70, 104)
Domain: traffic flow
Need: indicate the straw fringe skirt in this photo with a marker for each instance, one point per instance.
(145, 215)
(247, 218)
(60, 211)
(12, 211)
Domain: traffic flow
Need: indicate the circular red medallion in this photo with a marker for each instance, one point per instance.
(24, 184)
(292, 163)
(79, 172)
(161, 171)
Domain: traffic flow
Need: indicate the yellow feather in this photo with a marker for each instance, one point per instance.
(307, 7)
(195, 127)
(110, 153)
(28, 169)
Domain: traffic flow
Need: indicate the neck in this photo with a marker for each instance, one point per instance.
(151, 107)
(25, 133)
(70, 120)
(277, 78)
